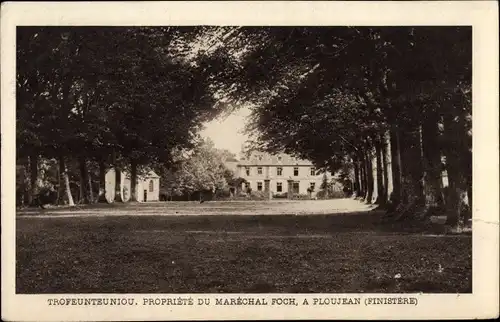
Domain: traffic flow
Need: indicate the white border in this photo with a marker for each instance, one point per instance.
(482, 15)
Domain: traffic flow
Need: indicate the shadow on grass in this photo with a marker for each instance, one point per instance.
(371, 221)
(338, 253)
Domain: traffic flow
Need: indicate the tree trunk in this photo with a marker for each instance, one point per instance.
(26, 183)
(457, 204)
(433, 193)
(364, 184)
(102, 182)
(361, 179)
(469, 196)
(369, 178)
(65, 178)
(458, 168)
(357, 187)
(118, 185)
(385, 167)
(84, 191)
(467, 168)
(59, 187)
(396, 195)
(373, 161)
(412, 173)
(133, 181)
(91, 189)
(381, 185)
(34, 179)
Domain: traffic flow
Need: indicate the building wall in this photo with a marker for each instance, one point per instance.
(269, 171)
(142, 184)
(304, 177)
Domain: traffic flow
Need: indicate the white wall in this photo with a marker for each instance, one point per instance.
(126, 187)
(287, 173)
(151, 195)
(304, 177)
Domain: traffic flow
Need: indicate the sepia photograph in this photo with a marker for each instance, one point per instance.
(243, 159)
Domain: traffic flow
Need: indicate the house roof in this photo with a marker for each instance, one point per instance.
(264, 159)
(151, 174)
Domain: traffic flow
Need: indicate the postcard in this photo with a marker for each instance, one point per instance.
(249, 160)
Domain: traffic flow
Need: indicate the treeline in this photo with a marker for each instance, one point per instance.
(392, 102)
(94, 98)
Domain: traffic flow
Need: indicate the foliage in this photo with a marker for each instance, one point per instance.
(337, 91)
(203, 169)
(123, 96)
(302, 196)
(258, 195)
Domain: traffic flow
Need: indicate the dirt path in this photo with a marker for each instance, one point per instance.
(273, 207)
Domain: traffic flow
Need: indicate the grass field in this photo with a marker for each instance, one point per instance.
(249, 247)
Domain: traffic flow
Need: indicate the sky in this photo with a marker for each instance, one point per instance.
(227, 133)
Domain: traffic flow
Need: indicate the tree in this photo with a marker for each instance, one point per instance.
(203, 169)
(391, 83)
(325, 187)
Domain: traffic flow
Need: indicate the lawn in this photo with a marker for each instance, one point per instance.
(167, 248)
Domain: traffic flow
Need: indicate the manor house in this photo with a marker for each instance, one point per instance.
(279, 174)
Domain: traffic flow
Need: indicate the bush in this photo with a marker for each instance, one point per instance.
(322, 194)
(222, 194)
(255, 195)
(46, 196)
(335, 194)
(283, 195)
(258, 195)
(302, 197)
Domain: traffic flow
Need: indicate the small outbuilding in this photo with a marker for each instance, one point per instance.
(147, 187)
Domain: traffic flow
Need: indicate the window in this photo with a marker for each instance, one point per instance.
(151, 186)
(312, 185)
(247, 170)
(295, 187)
(279, 187)
(296, 171)
(260, 158)
(247, 185)
(279, 171)
(259, 170)
(313, 171)
(259, 186)
(279, 158)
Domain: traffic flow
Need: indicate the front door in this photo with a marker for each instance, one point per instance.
(145, 195)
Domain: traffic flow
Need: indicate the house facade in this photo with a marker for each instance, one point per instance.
(279, 174)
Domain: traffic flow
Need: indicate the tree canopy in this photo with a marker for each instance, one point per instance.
(352, 94)
(116, 95)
